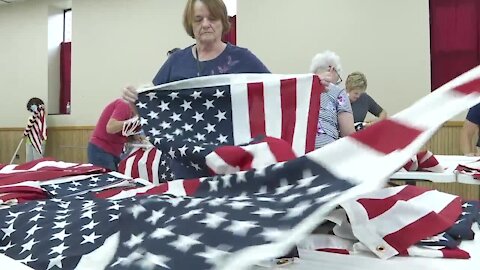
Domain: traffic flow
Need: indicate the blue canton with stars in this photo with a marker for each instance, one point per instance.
(186, 126)
(55, 234)
(86, 185)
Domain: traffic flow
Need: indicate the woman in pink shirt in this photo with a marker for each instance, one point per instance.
(107, 141)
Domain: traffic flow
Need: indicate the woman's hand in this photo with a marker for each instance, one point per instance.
(129, 94)
(326, 78)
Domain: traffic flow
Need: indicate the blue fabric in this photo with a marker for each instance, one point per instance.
(183, 65)
(99, 157)
(474, 117)
(474, 114)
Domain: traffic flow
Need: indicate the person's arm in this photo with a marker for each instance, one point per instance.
(120, 115)
(469, 129)
(345, 123)
(382, 115)
(375, 109)
(114, 126)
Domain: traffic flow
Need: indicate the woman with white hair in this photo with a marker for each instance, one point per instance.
(336, 118)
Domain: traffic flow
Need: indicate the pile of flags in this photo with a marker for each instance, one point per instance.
(233, 220)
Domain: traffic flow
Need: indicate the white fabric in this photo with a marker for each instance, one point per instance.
(8, 263)
(310, 259)
(450, 162)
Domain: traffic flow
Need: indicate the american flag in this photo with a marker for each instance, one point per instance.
(143, 162)
(228, 221)
(188, 121)
(36, 129)
(424, 161)
(19, 183)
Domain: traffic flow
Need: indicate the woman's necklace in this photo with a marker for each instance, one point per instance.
(199, 65)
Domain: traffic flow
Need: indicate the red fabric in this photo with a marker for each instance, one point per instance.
(424, 161)
(142, 163)
(454, 38)
(397, 136)
(65, 75)
(231, 36)
(230, 158)
(111, 143)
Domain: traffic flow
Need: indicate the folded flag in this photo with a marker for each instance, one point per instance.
(19, 183)
(383, 229)
(462, 229)
(424, 161)
(144, 162)
(471, 168)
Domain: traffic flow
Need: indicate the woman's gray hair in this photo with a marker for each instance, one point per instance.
(324, 60)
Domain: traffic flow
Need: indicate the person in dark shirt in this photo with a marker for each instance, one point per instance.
(362, 103)
(469, 130)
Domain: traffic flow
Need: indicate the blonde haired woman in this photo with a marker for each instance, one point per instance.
(356, 85)
(335, 119)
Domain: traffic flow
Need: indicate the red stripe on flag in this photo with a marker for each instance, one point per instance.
(395, 136)
(288, 89)
(23, 197)
(160, 189)
(191, 186)
(470, 87)
(426, 226)
(455, 253)
(150, 159)
(376, 207)
(256, 109)
(135, 170)
(235, 156)
(280, 149)
(22, 189)
(312, 124)
(31, 164)
(334, 250)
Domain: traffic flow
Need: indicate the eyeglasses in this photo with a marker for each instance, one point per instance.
(339, 80)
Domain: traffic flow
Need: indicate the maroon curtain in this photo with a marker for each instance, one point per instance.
(231, 36)
(454, 38)
(65, 75)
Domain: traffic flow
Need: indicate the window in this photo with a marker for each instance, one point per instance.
(67, 25)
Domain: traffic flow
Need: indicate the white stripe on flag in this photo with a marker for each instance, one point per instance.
(345, 164)
(301, 122)
(129, 165)
(262, 155)
(155, 164)
(273, 108)
(240, 114)
(176, 188)
(386, 225)
(142, 164)
(218, 165)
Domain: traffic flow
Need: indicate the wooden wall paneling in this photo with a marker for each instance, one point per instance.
(9, 139)
(64, 143)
